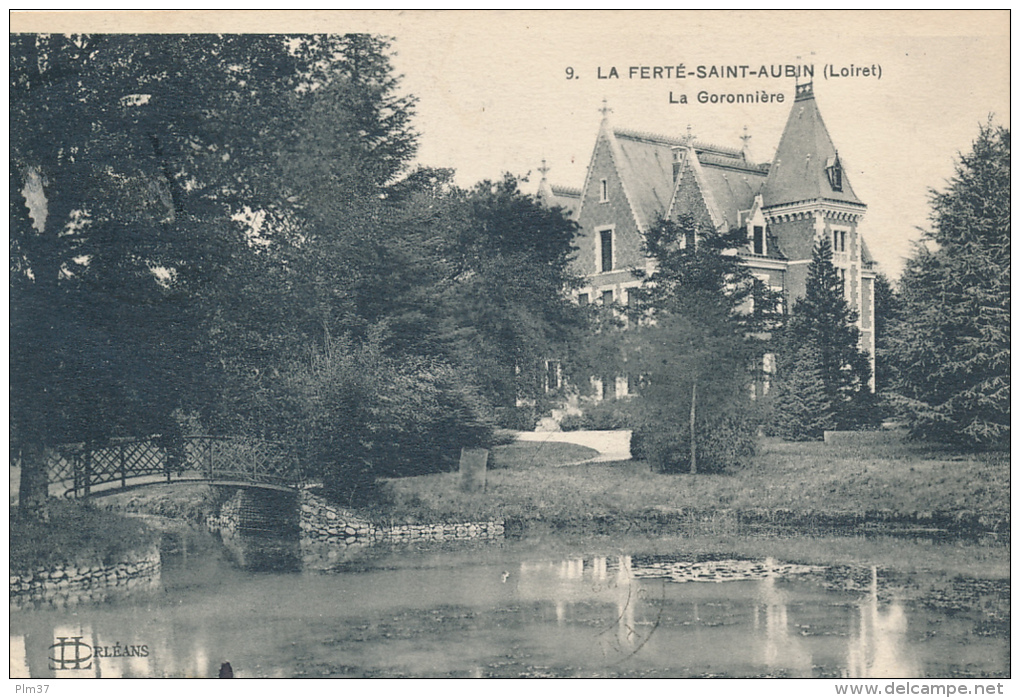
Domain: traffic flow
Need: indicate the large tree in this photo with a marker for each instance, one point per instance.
(820, 359)
(692, 347)
(156, 183)
(951, 345)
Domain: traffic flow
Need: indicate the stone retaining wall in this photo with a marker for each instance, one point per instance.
(322, 522)
(68, 585)
(253, 509)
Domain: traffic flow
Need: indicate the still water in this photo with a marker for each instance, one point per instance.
(511, 608)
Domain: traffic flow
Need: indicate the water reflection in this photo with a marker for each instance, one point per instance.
(879, 646)
(600, 581)
(782, 650)
(496, 611)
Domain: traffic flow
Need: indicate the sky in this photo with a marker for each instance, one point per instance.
(494, 94)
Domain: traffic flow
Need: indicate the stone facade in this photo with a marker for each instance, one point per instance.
(64, 586)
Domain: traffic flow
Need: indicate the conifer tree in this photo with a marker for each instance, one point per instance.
(824, 325)
(951, 346)
(801, 399)
(694, 346)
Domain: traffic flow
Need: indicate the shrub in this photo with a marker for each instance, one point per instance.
(358, 413)
(725, 443)
(600, 416)
(521, 418)
(573, 422)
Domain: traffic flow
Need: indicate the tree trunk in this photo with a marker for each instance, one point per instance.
(33, 490)
(694, 445)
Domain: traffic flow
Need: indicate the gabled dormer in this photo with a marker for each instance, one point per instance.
(757, 230)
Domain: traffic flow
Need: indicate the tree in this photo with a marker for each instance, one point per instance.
(156, 183)
(806, 409)
(97, 235)
(887, 313)
(951, 345)
(694, 346)
(821, 339)
(496, 299)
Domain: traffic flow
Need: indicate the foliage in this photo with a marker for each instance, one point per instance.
(821, 366)
(358, 413)
(606, 415)
(888, 312)
(220, 225)
(951, 345)
(693, 345)
(805, 410)
(75, 533)
(509, 308)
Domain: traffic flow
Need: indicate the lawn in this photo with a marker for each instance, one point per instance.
(894, 477)
(75, 533)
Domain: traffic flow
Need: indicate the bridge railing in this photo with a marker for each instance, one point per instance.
(79, 468)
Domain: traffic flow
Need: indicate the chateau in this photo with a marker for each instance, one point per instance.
(635, 178)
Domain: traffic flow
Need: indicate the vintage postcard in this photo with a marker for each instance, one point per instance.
(504, 344)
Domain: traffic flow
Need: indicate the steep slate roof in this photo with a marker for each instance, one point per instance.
(645, 164)
(733, 184)
(567, 198)
(798, 170)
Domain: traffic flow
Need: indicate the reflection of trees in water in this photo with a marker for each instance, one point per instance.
(878, 641)
(782, 650)
(602, 579)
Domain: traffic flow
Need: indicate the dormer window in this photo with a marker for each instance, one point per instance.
(758, 239)
(834, 171)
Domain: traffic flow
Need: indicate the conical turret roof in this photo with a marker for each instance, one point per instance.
(806, 166)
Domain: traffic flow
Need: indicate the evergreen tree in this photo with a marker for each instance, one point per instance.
(693, 347)
(801, 399)
(823, 323)
(887, 313)
(951, 345)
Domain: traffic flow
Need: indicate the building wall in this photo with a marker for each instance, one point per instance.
(596, 215)
(690, 200)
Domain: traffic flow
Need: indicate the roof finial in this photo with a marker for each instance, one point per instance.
(544, 169)
(605, 108)
(746, 149)
(689, 138)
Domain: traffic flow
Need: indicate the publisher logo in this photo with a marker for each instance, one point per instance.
(69, 653)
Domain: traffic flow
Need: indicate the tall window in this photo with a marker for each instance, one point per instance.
(552, 375)
(604, 191)
(839, 241)
(759, 239)
(606, 247)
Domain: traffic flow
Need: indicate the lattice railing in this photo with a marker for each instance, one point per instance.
(80, 468)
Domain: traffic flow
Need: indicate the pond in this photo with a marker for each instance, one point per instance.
(518, 608)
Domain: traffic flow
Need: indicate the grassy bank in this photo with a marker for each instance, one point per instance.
(75, 533)
(894, 477)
